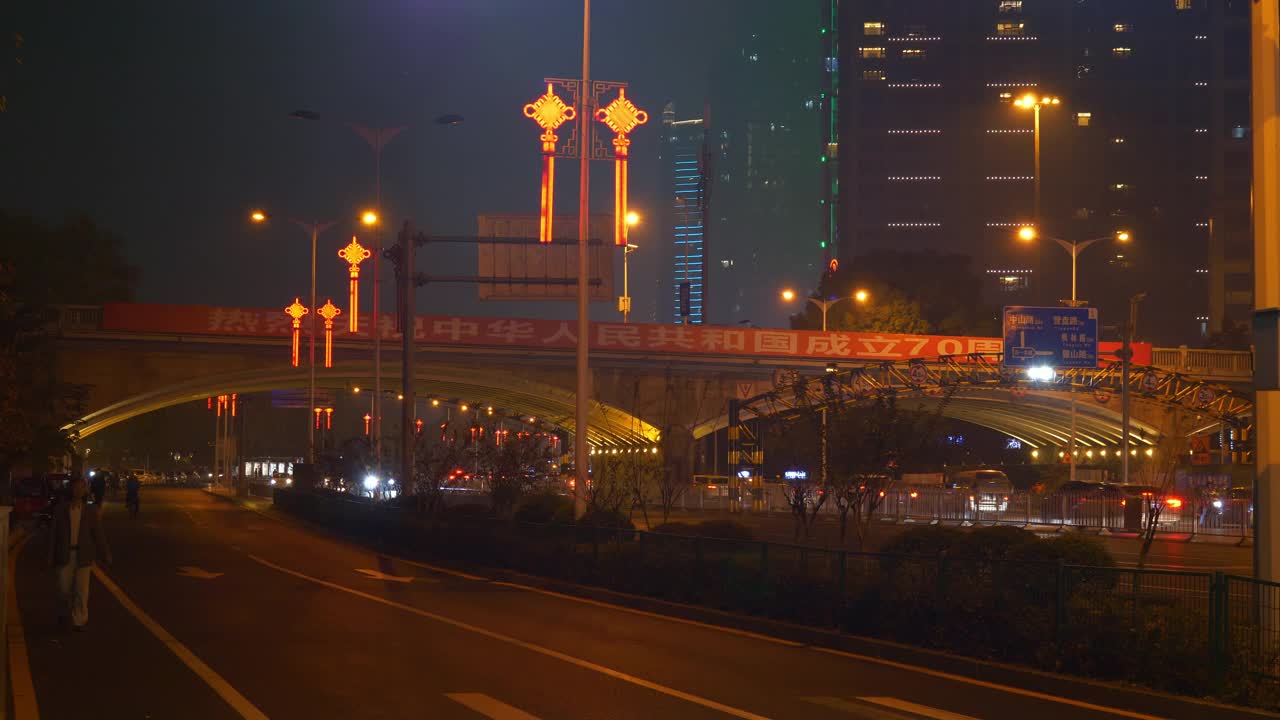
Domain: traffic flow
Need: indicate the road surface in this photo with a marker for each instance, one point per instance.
(213, 610)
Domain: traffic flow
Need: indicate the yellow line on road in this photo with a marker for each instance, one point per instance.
(238, 702)
(587, 664)
(25, 706)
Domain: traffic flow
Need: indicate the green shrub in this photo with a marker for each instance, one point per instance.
(468, 511)
(997, 542)
(542, 508)
(1071, 549)
(676, 528)
(923, 540)
(724, 530)
(600, 518)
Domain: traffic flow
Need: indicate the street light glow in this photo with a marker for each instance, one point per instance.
(633, 218)
(1122, 236)
(788, 295)
(861, 296)
(1026, 233)
(1040, 373)
(258, 216)
(369, 218)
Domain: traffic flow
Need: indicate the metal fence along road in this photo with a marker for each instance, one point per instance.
(1197, 633)
(1223, 517)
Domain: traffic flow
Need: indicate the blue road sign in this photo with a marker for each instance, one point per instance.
(1053, 336)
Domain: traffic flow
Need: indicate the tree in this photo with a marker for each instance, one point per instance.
(869, 446)
(924, 292)
(514, 464)
(41, 266)
(795, 443)
(1160, 473)
(434, 462)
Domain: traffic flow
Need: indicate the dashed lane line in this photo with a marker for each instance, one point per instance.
(489, 707)
(229, 694)
(586, 664)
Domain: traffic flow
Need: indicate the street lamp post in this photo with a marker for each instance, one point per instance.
(858, 296)
(1033, 103)
(1029, 233)
(624, 302)
(583, 369)
(314, 228)
(1126, 361)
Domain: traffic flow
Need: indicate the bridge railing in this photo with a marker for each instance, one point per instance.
(79, 317)
(1208, 364)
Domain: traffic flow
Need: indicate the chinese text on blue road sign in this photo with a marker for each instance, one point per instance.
(1054, 336)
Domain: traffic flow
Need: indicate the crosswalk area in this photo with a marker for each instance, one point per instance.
(863, 708)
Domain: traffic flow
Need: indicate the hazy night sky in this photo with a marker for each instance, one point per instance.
(167, 121)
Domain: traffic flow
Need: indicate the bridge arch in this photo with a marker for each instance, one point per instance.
(510, 394)
(976, 389)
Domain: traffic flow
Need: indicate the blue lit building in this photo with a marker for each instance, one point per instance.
(685, 164)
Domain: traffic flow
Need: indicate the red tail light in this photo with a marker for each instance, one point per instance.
(915, 495)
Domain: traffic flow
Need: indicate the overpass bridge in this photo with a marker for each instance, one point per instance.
(651, 383)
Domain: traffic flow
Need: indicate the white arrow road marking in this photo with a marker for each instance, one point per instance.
(195, 572)
(379, 575)
(911, 707)
(489, 707)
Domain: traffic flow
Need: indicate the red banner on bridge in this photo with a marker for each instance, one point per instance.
(529, 334)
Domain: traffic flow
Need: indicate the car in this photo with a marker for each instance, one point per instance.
(988, 490)
(1082, 502)
(1149, 498)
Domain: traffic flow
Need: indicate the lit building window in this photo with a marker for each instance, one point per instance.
(1121, 52)
(912, 54)
(1117, 141)
(1123, 27)
(1239, 132)
(873, 28)
(871, 52)
(1181, 4)
(1010, 28)
(1010, 6)
(872, 74)
(1083, 119)
(1120, 186)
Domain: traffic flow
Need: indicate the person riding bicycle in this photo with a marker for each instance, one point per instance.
(131, 486)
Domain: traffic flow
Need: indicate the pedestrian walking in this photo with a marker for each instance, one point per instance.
(76, 542)
(131, 499)
(98, 487)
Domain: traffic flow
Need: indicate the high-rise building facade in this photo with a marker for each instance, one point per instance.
(685, 165)
(1151, 135)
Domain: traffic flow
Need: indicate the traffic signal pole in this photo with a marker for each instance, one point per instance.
(1266, 273)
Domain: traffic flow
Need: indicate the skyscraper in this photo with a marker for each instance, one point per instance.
(685, 162)
(1151, 135)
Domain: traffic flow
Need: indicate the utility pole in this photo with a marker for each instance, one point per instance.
(1266, 278)
(408, 295)
(1126, 362)
(586, 115)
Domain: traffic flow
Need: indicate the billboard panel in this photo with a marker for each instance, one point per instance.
(536, 271)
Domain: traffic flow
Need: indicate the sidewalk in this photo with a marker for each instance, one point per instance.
(114, 668)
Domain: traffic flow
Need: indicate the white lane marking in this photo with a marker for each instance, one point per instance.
(865, 712)
(990, 685)
(489, 707)
(25, 706)
(922, 710)
(586, 664)
(197, 572)
(238, 702)
(379, 575)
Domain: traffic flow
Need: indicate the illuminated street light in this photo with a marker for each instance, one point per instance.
(788, 295)
(369, 218)
(633, 218)
(258, 216)
(624, 301)
(1026, 233)
(1029, 101)
(861, 296)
